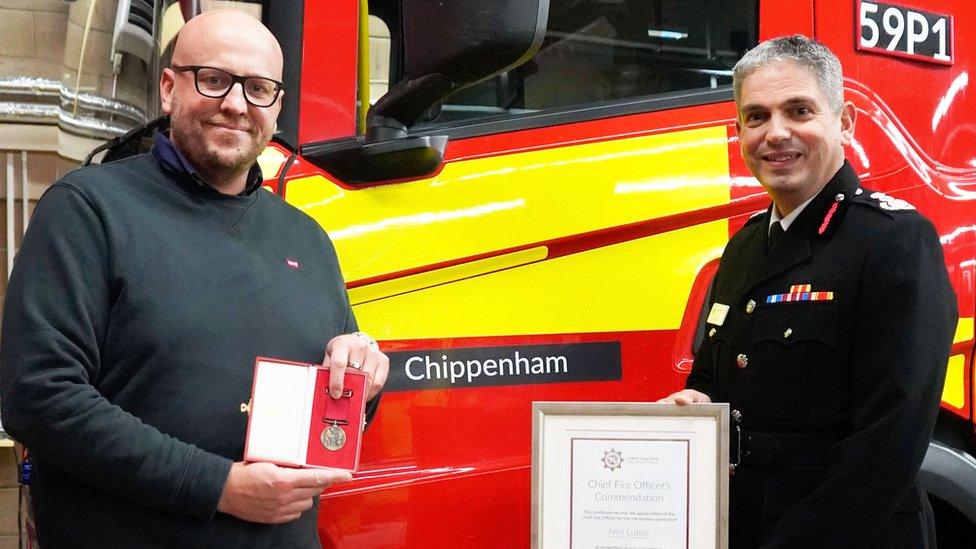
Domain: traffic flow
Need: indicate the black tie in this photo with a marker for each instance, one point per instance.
(776, 233)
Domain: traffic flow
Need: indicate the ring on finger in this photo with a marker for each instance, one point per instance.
(355, 365)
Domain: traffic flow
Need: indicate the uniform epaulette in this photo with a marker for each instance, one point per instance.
(882, 201)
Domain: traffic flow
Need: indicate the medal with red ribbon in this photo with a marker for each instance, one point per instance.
(333, 437)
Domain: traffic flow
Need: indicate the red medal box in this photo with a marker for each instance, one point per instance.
(294, 421)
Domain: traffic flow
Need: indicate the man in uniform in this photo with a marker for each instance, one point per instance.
(829, 327)
(142, 295)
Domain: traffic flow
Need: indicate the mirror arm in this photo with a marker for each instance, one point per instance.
(403, 105)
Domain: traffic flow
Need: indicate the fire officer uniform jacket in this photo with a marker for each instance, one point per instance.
(832, 345)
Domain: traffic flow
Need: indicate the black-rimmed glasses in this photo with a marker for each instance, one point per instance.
(216, 83)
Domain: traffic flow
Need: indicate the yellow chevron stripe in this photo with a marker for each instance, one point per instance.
(482, 205)
(954, 391)
(453, 273)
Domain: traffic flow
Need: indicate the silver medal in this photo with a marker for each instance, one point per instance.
(333, 437)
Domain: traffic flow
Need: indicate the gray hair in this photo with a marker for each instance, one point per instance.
(809, 54)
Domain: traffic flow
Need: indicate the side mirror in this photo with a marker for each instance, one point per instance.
(359, 162)
(469, 41)
(446, 46)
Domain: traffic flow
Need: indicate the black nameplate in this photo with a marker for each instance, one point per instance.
(508, 365)
(905, 32)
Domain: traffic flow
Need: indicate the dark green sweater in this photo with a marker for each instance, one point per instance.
(136, 308)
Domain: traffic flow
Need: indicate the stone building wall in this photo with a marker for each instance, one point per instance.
(61, 94)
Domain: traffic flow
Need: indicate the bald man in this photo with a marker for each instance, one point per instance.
(142, 294)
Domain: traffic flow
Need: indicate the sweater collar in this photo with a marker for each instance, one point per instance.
(173, 160)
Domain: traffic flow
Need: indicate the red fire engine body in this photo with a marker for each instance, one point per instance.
(594, 221)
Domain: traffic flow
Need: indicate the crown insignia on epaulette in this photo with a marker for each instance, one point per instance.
(891, 203)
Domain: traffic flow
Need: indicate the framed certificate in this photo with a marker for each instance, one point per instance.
(635, 475)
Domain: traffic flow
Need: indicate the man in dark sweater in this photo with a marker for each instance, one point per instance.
(142, 294)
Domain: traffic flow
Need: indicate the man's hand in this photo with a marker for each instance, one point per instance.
(264, 492)
(359, 351)
(687, 396)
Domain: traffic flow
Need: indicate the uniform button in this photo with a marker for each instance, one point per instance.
(742, 361)
(750, 306)
(712, 332)
(787, 333)
(839, 197)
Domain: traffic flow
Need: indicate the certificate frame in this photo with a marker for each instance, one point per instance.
(564, 435)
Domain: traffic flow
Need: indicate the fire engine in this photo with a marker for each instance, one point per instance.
(534, 210)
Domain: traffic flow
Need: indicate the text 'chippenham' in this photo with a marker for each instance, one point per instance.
(423, 367)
